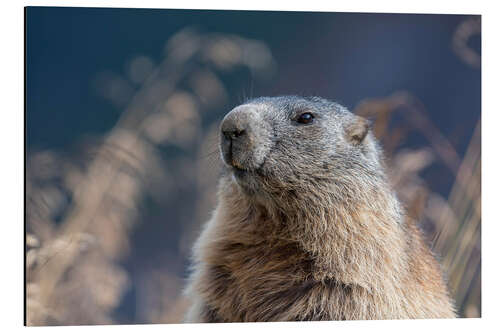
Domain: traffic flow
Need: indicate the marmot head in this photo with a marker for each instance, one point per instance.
(311, 170)
(275, 145)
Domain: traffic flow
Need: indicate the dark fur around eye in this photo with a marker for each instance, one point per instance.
(305, 118)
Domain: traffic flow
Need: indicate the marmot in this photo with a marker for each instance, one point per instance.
(307, 226)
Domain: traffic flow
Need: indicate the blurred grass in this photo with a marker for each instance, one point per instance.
(83, 208)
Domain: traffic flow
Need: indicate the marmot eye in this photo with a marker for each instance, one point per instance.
(305, 118)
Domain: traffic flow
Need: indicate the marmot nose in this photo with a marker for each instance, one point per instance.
(245, 137)
(234, 133)
(236, 136)
(236, 124)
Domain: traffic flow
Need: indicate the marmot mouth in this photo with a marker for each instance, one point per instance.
(239, 173)
(237, 167)
(245, 173)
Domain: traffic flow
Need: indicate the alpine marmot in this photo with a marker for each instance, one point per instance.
(307, 226)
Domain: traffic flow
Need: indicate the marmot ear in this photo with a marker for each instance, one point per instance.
(358, 128)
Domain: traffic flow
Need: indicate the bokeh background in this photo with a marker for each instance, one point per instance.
(122, 110)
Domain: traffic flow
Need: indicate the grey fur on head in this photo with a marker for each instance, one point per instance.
(269, 151)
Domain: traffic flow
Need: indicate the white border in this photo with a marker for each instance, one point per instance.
(11, 140)
(384, 6)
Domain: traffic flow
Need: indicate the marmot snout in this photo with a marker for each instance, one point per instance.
(245, 138)
(307, 226)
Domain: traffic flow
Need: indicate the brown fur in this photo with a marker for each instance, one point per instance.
(334, 245)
